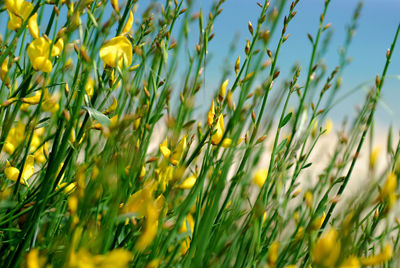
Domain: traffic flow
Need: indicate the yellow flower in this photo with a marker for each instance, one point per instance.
(373, 158)
(222, 89)
(115, 5)
(328, 126)
(33, 99)
(211, 113)
(39, 53)
(188, 183)
(117, 258)
(143, 205)
(32, 259)
(260, 176)
(128, 24)
(89, 87)
(150, 228)
(299, 234)
(350, 262)
(178, 152)
(390, 186)
(50, 102)
(12, 173)
(186, 227)
(226, 143)
(326, 250)
(165, 174)
(317, 223)
(14, 138)
(4, 71)
(219, 132)
(308, 198)
(112, 107)
(153, 263)
(142, 172)
(273, 253)
(117, 51)
(20, 10)
(68, 188)
(165, 151)
(379, 258)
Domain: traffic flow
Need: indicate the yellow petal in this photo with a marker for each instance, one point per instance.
(11, 173)
(117, 51)
(328, 126)
(178, 152)
(29, 169)
(390, 186)
(142, 172)
(32, 259)
(14, 23)
(222, 89)
(38, 53)
(112, 107)
(211, 113)
(219, 132)
(9, 148)
(89, 87)
(260, 176)
(14, 5)
(43, 64)
(34, 99)
(226, 143)
(115, 5)
(188, 183)
(380, 258)
(351, 262)
(327, 249)
(33, 26)
(57, 47)
(128, 24)
(4, 73)
(373, 159)
(164, 149)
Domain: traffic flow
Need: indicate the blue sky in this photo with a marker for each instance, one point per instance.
(377, 25)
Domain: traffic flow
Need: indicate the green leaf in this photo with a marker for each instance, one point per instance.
(306, 165)
(98, 116)
(285, 120)
(281, 145)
